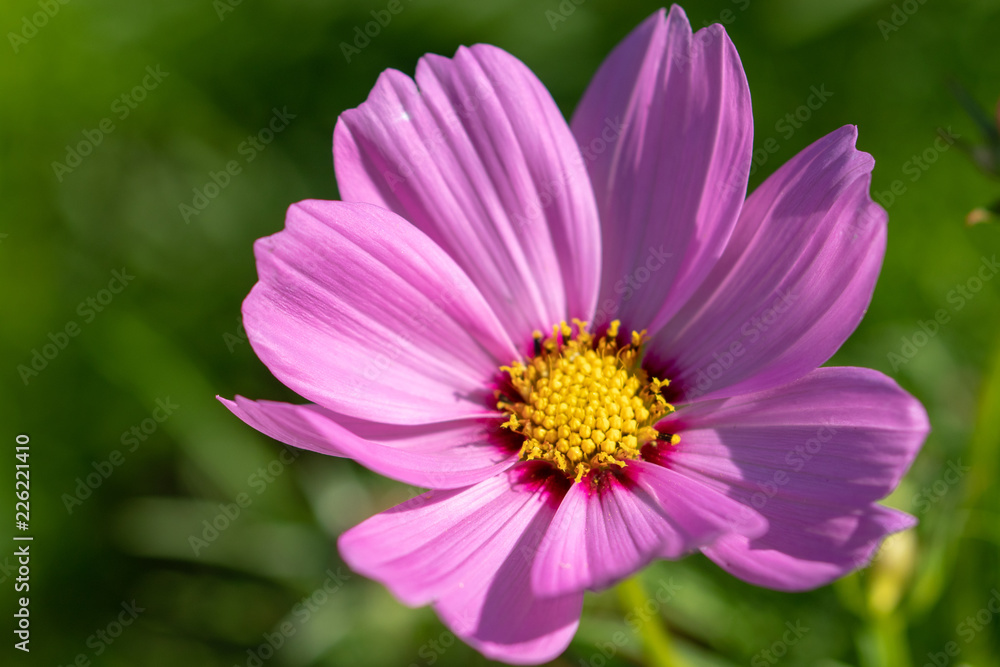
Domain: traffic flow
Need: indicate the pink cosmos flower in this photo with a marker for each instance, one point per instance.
(584, 339)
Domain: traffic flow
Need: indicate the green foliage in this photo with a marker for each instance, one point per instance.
(211, 76)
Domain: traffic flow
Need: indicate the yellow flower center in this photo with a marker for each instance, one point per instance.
(584, 404)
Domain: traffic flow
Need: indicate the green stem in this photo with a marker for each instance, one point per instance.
(983, 449)
(656, 642)
(889, 645)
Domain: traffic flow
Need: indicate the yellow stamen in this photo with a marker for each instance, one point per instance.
(585, 403)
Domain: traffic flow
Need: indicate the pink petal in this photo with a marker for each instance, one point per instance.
(443, 455)
(599, 537)
(666, 129)
(480, 159)
(794, 281)
(802, 562)
(469, 553)
(812, 457)
(360, 312)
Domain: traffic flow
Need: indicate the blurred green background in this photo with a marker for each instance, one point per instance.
(123, 486)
